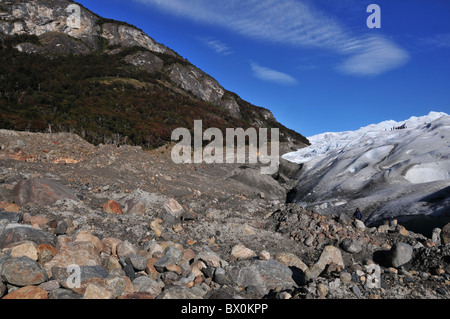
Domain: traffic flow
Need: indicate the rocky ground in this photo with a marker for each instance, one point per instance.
(84, 221)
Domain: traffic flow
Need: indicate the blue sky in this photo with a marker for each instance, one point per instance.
(314, 63)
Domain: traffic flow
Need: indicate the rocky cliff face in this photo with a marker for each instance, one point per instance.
(64, 27)
(40, 17)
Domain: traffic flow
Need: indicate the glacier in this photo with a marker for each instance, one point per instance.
(389, 170)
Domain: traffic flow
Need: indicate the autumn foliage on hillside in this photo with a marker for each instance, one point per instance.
(101, 98)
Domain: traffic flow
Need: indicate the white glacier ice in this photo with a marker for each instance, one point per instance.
(387, 172)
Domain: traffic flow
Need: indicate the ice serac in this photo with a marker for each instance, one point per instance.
(389, 170)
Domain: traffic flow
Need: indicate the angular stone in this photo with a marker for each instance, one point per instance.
(9, 207)
(138, 262)
(172, 256)
(38, 220)
(84, 235)
(87, 275)
(98, 291)
(28, 292)
(138, 208)
(15, 234)
(112, 207)
(45, 253)
(110, 245)
(239, 251)
(330, 254)
(10, 217)
(261, 274)
(264, 255)
(26, 248)
(445, 234)
(177, 292)
(125, 249)
(61, 227)
(436, 236)
(63, 294)
(119, 285)
(291, 260)
(156, 226)
(3, 288)
(50, 285)
(351, 246)
(39, 192)
(146, 284)
(399, 254)
(174, 208)
(210, 258)
(137, 295)
(23, 271)
(359, 224)
(75, 253)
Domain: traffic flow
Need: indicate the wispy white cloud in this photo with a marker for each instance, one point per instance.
(270, 75)
(437, 41)
(293, 22)
(374, 56)
(216, 45)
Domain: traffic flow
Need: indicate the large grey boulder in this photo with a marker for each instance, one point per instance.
(261, 274)
(399, 254)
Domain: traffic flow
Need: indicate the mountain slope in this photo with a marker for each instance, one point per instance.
(388, 169)
(107, 81)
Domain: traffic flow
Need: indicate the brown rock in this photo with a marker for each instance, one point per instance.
(84, 235)
(241, 252)
(174, 207)
(137, 295)
(175, 268)
(291, 260)
(150, 268)
(75, 253)
(188, 254)
(98, 291)
(110, 245)
(25, 248)
(156, 226)
(16, 234)
(445, 234)
(23, 271)
(112, 207)
(45, 253)
(9, 207)
(38, 220)
(137, 208)
(28, 292)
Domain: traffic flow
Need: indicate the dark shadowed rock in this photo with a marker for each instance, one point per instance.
(15, 234)
(23, 271)
(260, 182)
(145, 60)
(62, 293)
(38, 192)
(172, 256)
(177, 292)
(10, 217)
